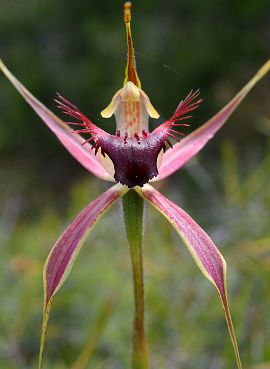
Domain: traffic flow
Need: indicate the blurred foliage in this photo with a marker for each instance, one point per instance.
(185, 321)
(78, 49)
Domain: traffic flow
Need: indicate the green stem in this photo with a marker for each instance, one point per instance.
(133, 216)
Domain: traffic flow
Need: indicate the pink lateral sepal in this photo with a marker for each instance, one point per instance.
(73, 143)
(66, 249)
(185, 150)
(203, 250)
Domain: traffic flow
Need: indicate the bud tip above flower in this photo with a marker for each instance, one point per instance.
(131, 74)
(127, 11)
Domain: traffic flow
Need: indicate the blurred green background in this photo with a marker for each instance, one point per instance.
(78, 48)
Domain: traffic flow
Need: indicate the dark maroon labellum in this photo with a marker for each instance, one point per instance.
(134, 159)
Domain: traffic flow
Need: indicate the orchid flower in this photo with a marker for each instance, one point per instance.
(132, 158)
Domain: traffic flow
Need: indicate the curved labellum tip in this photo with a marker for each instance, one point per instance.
(134, 155)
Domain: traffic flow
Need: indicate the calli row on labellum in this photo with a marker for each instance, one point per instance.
(133, 157)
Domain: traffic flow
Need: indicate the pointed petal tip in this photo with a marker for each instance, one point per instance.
(153, 114)
(149, 107)
(264, 69)
(185, 150)
(107, 112)
(203, 250)
(64, 253)
(152, 111)
(4, 69)
(110, 109)
(2, 66)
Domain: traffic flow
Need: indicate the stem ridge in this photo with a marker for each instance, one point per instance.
(133, 207)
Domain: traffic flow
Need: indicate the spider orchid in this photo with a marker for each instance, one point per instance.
(132, 158)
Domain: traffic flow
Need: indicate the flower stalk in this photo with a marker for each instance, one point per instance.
(133, 207)
(133, 157)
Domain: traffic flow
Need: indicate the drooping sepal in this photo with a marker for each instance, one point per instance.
(65, 251)
(203, 250)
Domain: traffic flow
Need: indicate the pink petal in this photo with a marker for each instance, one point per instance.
(184, 151)
(65, 251)
(72, 142)
(205, 253)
